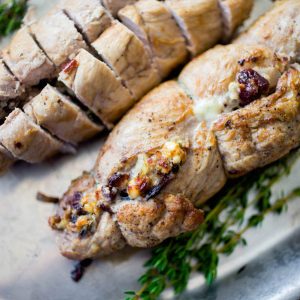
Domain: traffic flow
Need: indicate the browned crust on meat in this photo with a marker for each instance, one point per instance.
(263, 131)
(145, 224)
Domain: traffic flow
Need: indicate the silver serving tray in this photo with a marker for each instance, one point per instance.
(31, 267)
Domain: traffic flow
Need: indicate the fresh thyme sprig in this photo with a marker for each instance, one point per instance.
(11, 15)
(226, 222)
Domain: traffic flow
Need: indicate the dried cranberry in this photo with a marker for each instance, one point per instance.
(109, 192)
(79, 269)
(156, 189)
(117, 179)
(83, 232)
(106, 208)
(252, 86)
(75, 200)
(143, 186)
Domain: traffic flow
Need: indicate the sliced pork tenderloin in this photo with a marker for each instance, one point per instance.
(6, 160)
(27, 141)
(126, 55)
(55, 112)
(89, 16)
(234, 13)
(58, 37)
(113, 6)
(146, 178)
(153, 23)
(26, 60)
(200, 22)
(97, 87)
(10, 90)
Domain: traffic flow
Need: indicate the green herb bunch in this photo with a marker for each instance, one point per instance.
(11, 15)
(226, 222)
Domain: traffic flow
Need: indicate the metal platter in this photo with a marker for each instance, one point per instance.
(32, 269)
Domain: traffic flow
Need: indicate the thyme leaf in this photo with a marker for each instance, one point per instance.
(226, 222)
(11, 15)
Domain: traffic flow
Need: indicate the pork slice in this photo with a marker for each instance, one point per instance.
(6, 160)
(200, 22)
(89, 16)
(97, 87)
(28, 141)
(26, 60)
(58, 37)
(153, 23)
(127, 56)
(234, 13)
(55, 112)
(10, 90)
(113, 6)
(10, 86)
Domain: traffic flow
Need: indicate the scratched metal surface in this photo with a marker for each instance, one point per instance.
(32, 269)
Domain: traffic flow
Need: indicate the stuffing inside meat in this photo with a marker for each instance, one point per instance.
(143, 179)
(150, 173)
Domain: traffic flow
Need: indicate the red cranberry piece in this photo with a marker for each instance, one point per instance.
(252, 86)
(117, 179)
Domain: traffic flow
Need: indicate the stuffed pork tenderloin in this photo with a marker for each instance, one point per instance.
(234, 108)
(114, 67)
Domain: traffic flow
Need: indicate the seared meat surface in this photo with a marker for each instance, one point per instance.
(235, 108)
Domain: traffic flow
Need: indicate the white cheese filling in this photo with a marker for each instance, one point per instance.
(208, 109)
